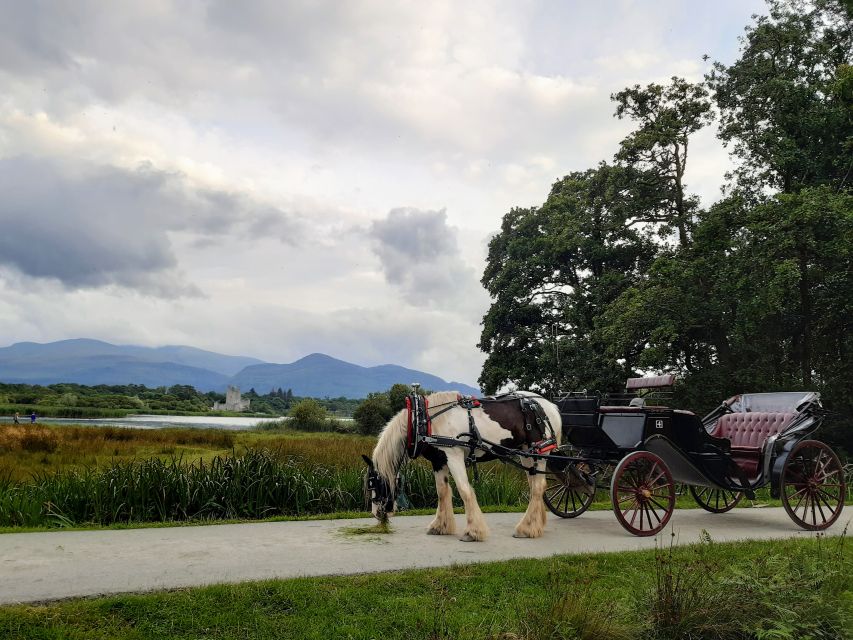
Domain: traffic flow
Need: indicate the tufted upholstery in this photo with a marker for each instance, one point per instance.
(652, 382)
(750, 430)
(747, 433)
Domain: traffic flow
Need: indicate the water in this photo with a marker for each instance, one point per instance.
(158, 422)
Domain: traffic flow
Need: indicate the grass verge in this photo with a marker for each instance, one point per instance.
(798, 588)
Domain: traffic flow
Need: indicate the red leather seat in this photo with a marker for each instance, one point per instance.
(748, 432)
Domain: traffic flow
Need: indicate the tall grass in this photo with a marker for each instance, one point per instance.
(257, 484)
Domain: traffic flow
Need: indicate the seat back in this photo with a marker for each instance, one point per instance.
(578, 411)
(751, 429)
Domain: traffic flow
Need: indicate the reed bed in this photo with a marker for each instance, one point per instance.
(259, 483)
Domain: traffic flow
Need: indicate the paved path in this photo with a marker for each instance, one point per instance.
(63, 564)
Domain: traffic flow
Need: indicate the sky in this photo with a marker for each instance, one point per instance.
(277, 178)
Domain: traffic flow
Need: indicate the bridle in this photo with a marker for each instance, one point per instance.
(378, 491)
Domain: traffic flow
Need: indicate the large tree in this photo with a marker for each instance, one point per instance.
(550, 270)
(666, 117)
(786, 104)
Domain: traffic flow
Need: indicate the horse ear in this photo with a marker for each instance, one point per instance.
(367, 461)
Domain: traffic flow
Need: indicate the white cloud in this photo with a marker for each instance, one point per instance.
(278, 136)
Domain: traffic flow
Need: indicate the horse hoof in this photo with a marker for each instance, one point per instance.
(434, 532)
(520, 535)
(468, 538)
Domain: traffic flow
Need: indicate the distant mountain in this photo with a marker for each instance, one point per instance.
(319, 375)
(94, 370)
(93, 362)
(70, 350)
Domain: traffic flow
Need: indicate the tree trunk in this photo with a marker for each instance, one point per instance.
(805, 321)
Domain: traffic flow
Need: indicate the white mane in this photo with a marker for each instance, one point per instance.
(391, 448)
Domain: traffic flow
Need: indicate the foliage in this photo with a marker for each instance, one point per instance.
(785, 104)
(112, 401)
(377, 409)
(373, 413)
(621, 272)
(309, 415)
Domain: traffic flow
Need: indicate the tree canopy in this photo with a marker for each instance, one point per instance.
(621, 271)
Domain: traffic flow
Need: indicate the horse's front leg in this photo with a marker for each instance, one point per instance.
(532, 525)
(444, 523)
(475, 527)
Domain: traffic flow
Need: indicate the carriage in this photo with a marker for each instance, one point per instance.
(634, 445)
(645, 449)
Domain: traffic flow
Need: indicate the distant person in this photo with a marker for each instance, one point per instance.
(33, 417)
(17, 418)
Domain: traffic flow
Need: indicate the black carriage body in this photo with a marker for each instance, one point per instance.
(750, 441)
(688, 444)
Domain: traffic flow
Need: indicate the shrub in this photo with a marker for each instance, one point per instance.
(309, 415)
(372, 414)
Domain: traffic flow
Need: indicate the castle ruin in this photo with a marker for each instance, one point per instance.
(233, 401)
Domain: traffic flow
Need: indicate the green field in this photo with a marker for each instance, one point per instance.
(795, 589)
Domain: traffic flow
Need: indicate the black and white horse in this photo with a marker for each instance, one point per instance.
(501, 420)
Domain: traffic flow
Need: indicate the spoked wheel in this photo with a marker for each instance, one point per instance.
(643, 493)
(566, 496)
(813, 486)
(716, 500)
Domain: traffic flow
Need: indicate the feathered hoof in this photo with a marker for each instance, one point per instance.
(520, 535)
(439, 531)
(469, 538)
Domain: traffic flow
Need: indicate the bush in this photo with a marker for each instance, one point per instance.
(309, 415)
(372, 414)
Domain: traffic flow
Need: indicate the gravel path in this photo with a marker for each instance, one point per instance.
(63, 564)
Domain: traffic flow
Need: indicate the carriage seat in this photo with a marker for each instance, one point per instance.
(747, 432)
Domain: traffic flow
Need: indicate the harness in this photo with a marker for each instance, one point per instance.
(419, 429)
(419, 434)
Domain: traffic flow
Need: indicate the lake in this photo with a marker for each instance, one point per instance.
(158, 422)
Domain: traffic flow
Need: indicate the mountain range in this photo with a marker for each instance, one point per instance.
(93, 362)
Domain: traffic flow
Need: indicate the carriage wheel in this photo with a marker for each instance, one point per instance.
(564, 497)
(812, 485)
(716, 500)
(643, 493)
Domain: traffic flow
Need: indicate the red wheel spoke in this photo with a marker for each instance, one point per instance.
(658, 504)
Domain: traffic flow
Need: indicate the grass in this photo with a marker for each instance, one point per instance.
(85, 476)
(799, 588)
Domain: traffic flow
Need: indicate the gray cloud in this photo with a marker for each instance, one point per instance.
(89, 226)
(419, 254)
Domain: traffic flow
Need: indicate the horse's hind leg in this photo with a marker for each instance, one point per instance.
(444, 523)
(475, 527)
(532, 525)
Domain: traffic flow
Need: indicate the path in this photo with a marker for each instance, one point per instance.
(63, 564)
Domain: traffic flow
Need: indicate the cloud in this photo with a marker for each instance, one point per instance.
(420, 256)
(89, 226)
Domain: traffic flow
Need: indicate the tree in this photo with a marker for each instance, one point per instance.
(308, 415)
(666, 117)
(373, 413)
(786, 105)
(549, 272)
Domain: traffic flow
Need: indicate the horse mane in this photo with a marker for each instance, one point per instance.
(391, 448)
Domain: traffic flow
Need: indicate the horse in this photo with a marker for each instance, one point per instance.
(502, 420)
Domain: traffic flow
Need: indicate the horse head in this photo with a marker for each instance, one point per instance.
(379, 491)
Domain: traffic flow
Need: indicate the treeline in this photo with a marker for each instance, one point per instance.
(622, 270)
(76, 400)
